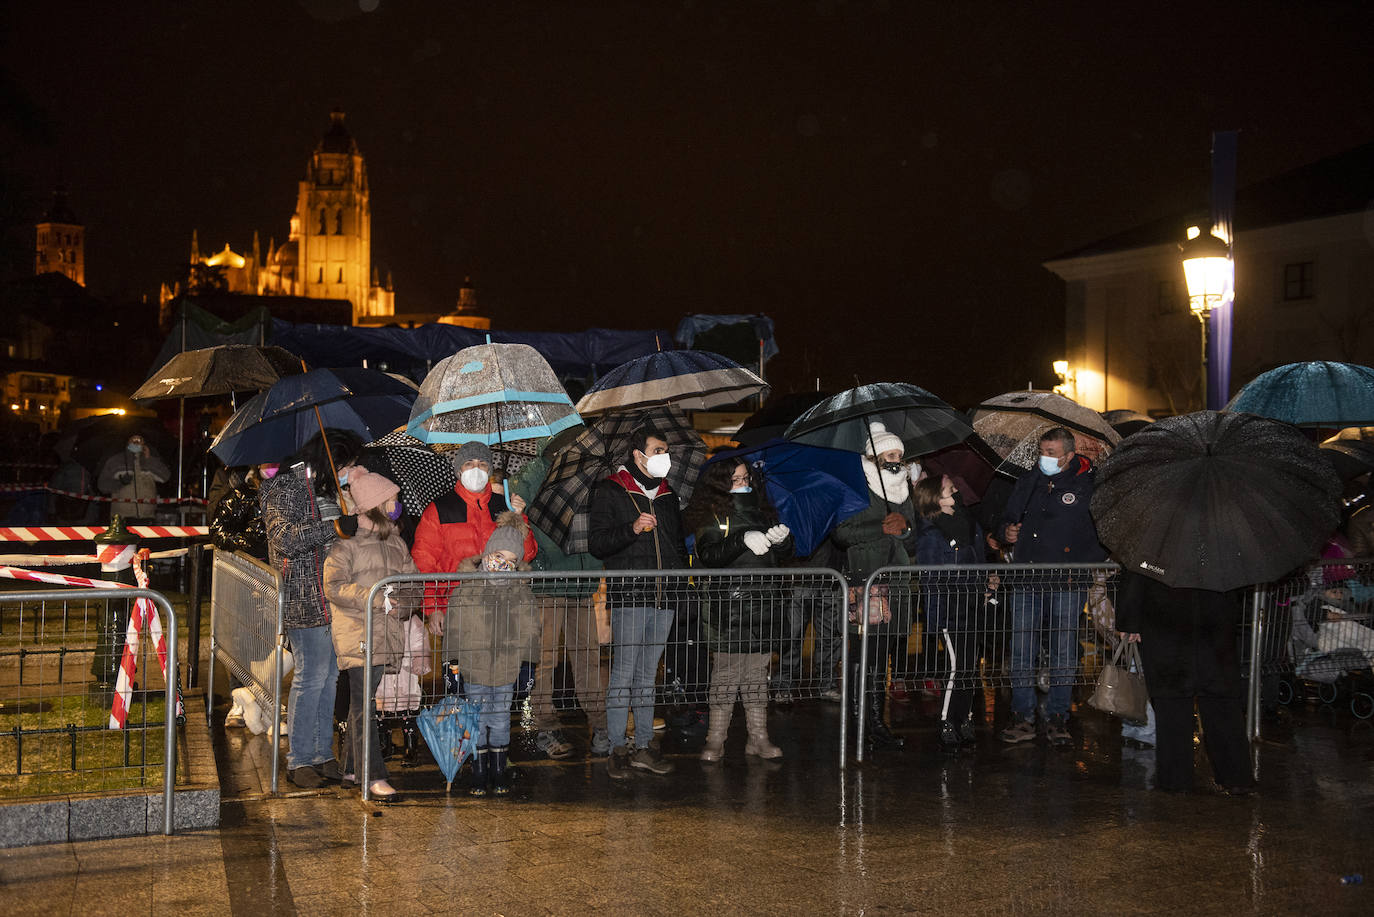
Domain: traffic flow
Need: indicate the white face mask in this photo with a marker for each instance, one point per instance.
(658, 466)
(474, 479)
(1049, 465)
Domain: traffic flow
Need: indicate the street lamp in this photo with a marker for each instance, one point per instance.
(1209, 273)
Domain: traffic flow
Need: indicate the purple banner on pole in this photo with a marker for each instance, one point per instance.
(1223, 220)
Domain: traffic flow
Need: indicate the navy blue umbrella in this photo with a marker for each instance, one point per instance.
(273, 424)
(693, 380)
(813, 489)
(1319, 393)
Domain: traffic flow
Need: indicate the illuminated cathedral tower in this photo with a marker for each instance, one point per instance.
(328, 254)
(61, 241)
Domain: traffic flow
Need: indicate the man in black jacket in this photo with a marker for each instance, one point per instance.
(1046, 521)
(635, 524)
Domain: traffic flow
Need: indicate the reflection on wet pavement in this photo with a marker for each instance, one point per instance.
(1023, 830)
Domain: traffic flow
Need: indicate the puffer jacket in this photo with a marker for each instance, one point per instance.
(297, 541)
(236, 521)
(950, 599)
(614, 505)
(353, 566)
(491, 626)
(455, 527)
(744, 613)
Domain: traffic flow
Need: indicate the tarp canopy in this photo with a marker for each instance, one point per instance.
(735, 336)
(196, 328)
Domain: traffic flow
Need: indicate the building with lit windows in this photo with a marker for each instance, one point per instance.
(61, 241)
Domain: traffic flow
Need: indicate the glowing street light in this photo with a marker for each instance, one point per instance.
(1210, 276)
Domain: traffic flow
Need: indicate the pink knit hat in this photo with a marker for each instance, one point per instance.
(370, 490)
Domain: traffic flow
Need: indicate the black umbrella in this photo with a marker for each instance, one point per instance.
(1350, 457)
(1215, 500)
(1127, 422)
(771, 421)
(922, 421)
(218, 371)
(422, 474)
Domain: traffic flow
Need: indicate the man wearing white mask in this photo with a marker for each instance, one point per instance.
(456, 526)
(635, 523)
(1046, 521)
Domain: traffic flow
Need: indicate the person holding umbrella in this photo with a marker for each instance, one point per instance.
(882, 535)
(1196, 508)
(302, 518)
(635, 523)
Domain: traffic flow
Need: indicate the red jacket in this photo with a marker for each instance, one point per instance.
(453, 528)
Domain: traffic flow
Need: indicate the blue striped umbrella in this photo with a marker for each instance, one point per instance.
(692, 380)
(1319, 393)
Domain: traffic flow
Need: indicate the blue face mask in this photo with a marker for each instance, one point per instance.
(1049, 466)
(746, 489)
(395, 512)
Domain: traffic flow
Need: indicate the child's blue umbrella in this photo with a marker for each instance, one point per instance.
(450, 731)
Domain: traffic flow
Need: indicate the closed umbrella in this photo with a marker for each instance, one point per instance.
(450, 730)
(1012, 425)
(693, 380)
(1215, 500)
(1320, 393)
(560, 506)
(273, 424)
(812, 488)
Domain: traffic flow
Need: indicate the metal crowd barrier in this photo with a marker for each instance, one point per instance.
(247, 634)
(1314, 638)
(56, 717)
(982, 626)
(581, 619)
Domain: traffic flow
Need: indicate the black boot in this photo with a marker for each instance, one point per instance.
(411, 735)
(496, 767)
(875, 730)
(384, 726)
(480, 772)
(949, 738)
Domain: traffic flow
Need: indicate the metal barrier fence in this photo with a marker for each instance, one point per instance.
(247, 634)
(630, 640)
(60, 655)
(1316, 637)
(967, 628)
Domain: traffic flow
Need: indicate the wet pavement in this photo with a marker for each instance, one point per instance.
(1024, 830)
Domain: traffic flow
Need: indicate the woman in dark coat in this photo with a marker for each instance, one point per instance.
(1188, 645)
(949, 534)
(736, 528)
(881, 536)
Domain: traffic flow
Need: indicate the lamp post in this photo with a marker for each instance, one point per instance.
(1209, 274)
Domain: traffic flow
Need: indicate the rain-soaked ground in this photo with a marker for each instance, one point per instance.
(1020, 830)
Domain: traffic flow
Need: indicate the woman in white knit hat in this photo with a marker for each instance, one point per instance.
(882, 535)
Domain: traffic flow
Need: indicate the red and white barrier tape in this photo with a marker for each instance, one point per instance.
(87, 532)
(69, 560)
(144, 615)
(57, 579)
(94, 498)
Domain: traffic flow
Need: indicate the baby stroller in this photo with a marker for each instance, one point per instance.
(1331, 647)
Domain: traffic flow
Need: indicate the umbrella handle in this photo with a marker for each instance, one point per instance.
(329, 455)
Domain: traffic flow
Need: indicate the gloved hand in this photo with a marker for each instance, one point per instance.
(778, 534)
(347, 526)
(756, 542)
(435, 624)
(329, 510)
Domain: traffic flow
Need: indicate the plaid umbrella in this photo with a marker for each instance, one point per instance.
(694, 380)
(1013, 423)
(494, 394)
(560, 507)
(422, 474)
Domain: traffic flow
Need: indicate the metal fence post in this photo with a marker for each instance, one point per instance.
(1252, 706)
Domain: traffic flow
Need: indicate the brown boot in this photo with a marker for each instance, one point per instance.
(716, 729)
(756, 715)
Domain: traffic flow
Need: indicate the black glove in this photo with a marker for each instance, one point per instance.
(347, 526)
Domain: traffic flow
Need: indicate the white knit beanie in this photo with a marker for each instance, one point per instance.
(881, 440)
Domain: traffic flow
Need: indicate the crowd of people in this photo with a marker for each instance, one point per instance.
(332, 536)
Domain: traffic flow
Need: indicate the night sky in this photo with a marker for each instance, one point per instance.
(883, 179)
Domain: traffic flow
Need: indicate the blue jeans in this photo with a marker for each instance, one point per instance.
(1038, 617)
(638, 636)
(493, 723)
(310, 705)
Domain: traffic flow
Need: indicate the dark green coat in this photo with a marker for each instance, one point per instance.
(867, 547)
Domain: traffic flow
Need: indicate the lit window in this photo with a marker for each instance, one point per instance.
(1300, 280)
